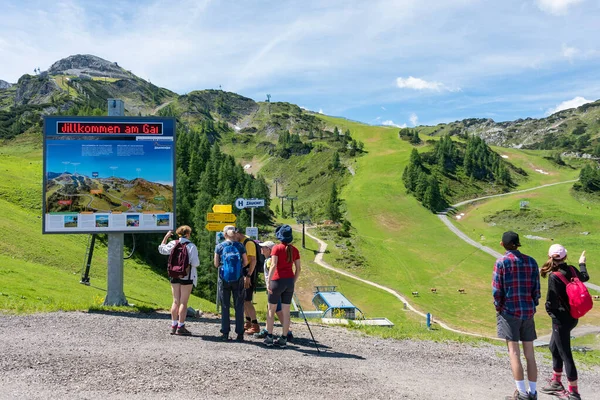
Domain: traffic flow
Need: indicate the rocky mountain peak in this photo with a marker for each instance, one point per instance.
(4, 84)
(87, 64)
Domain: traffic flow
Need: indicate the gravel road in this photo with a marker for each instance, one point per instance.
(131, 356)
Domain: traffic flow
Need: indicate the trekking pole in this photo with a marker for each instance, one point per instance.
(307, 325)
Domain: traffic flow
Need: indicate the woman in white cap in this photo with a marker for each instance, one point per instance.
(557, 306)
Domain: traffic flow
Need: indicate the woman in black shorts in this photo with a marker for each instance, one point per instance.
(181, 287)
(284, 272)
(557, 306)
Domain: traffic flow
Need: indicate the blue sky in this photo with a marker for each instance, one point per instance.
(401, 62)
(155, 165)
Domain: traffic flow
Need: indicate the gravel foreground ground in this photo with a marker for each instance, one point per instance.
(104, 356)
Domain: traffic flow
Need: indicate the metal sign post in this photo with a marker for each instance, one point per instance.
(115, 296)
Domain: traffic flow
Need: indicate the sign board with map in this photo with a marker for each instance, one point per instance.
(108, 174)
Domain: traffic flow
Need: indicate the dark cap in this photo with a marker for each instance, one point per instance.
(509, 238)
(284, 233)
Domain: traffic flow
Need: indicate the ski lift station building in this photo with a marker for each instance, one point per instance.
(334, 304)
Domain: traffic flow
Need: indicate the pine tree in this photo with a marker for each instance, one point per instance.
(335, 162)
(415, 158)
(432, 198)
(333, 208)
(336, 134)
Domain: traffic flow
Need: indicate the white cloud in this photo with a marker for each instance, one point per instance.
(421, 84)
(414, 120)
(556, 7)
(565, 105)
(321, 111)
(569, 52)
(389, 122)
(383, 108)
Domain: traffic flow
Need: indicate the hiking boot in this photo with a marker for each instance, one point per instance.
(553, 388)
(570, 396)
(239, 338)
(518, 396)
(290, 336)
(532, 396)
(224, 337)
(281, 342)
(247, 325)
(254, 328)
(173, 329)
(182, 331)
(262, 334)
(268, 341)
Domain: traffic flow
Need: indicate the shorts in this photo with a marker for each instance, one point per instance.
(250, 290)
(283, 290)
(515, 329)
(182, 281)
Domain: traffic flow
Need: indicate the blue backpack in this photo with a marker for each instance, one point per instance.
(231, 263)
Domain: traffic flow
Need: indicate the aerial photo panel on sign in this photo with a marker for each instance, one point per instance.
(109, 174)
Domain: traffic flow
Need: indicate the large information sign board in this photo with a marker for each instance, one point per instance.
(108, 174)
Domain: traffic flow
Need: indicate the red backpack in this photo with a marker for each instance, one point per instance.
(179, 261)
(580, 301)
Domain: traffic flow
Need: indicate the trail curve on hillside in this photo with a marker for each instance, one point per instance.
(319, 260)
(444, 218)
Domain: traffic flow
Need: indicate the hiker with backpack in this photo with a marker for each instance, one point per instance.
(251, 325)
(265, 249)
(516, 292)
(283, 273)
(229, 258)
(183, 274)
(566, 301)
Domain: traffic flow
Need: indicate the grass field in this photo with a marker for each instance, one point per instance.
(407, 247)
(371, 301)
(42, 272)
(555, 215)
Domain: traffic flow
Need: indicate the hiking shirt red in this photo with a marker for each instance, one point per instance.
(516, 285)
(283, 269)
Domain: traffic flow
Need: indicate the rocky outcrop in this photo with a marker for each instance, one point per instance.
(4, 84)
(530, 132)
(230, 107)
(82, 65)
(36, 90)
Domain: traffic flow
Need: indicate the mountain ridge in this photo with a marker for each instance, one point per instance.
(88, 80)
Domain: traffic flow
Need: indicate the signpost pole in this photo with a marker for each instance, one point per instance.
(252, 217)
(114, 291)
(303, 239)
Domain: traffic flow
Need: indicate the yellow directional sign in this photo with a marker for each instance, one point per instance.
(215, 226)
(222, 208)
(220, 217)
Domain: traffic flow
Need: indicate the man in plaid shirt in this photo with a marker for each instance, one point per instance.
(516, 291)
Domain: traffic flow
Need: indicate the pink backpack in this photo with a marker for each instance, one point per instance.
(580, 301)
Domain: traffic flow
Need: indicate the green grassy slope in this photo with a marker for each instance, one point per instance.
(42, 272)
(406, 246)
(555, 215)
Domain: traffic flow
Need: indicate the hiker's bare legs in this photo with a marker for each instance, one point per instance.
(184, 296)
(249, 310)
(529, 354)
(514, 354)
(271, 317)
(285, 311)
(176, 290)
